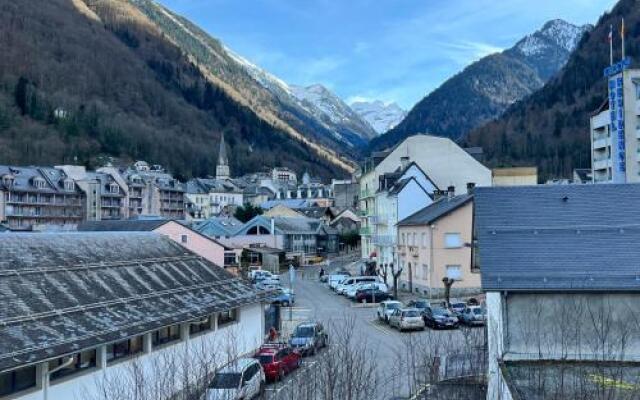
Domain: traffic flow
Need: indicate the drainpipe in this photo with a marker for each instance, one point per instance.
(47, 375)
(430, 272)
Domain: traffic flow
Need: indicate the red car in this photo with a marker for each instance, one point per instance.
(278, 360)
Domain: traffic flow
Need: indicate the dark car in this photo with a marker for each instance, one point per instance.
(309, 337)
(372, 295)
(277, 360)
(440, 318)
(457, 307)
(420, 304)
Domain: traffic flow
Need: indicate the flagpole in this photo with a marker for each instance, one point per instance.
(611, 44)
(622, 36)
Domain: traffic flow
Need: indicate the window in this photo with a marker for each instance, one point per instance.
(414, 239)
(81, 361)
(69, 186)
(425, 271)
(453, 272)
(17, 380)
(204, 325)
(637, 85)
(227, 317)
(424, 239)
(114, 188)
(166, 335)
(229, 258)
(452, 240)
(124, 349)
(184, 238)
(402, 242)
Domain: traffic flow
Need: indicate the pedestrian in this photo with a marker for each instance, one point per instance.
(321, 273)
(273, 334)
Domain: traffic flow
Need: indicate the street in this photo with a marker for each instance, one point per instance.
(397, 365)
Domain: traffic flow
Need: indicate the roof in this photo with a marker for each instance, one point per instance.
(515, 171)
(436, 210)
(285, 225)
(23, 179)
(291, 203)
(134, 225)
(559, 237)
(66, 292)
(219, 226)
(316, 212)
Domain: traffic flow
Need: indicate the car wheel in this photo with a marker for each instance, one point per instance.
(285, 304)
(280, 374)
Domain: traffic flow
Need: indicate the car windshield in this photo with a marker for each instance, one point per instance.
(226, 381)
(412, 313)
(303, 331)
(477, 311)
(441, 311)
(421, 304)
(457, 305)
(393, 306)
(265, 358)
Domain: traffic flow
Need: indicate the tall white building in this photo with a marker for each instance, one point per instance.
(615, 130)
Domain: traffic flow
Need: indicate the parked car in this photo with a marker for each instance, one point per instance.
(268, 285)
(278, 360)
(457, 307)
(406, 318)
(335, 279)
(260, 275)
(352, 290)
(386, 308)
(285, 297)
(309, 337)
(242, 379)
(473, 315)
(355, 280)
(440, 318)
(372, 295)
(420, 304)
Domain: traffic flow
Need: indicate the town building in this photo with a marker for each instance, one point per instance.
(280, 210)
(444, 162)
(202, 245)
(582, 176)
(35, 198)
(615, 128)
(206, 198)
(561, 289)
(93, 307)
(345, 193)
(435, 243)
(152, 191)
(221, 227)
(515, 176)
(347, 221)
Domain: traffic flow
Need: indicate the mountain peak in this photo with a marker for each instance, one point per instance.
(556, 32)
(380, 115)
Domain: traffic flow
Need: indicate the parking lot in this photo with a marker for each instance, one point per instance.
(403, 361)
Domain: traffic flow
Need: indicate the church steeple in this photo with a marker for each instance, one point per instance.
(222, 169)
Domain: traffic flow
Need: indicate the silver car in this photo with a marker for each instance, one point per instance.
(386, 308)
(240, 380)
(473, 315)
(406, 319)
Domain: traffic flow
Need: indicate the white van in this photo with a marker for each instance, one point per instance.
(349, 282)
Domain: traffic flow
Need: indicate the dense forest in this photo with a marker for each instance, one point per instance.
(550, 128)
(83, 84)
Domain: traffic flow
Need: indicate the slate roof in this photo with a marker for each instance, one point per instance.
(559, 238)
(23, 179)
(122, 225)
(218, 226)
(208, 185)
(436, 210)
(293, 204)
(62, 293)
(285, 225)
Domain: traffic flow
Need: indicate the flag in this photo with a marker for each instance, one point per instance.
(611, 34)
(611, 44)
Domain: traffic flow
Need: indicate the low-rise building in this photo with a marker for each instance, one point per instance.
(515, 176)
(210, 197)
(96, 310)
(345, 193)
(347, 221)
(39, 198)
(153, 192)
(562, 289)
(435, 243)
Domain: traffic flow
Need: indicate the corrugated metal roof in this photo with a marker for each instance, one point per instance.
(436, 210)
(560, 238)
(65, 292)
(133, 225)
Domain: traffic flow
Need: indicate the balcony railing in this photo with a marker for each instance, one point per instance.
(365, 231)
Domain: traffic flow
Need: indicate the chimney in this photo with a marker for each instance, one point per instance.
(404, 161)
(471, 186)
(451, 191)
(437, 194)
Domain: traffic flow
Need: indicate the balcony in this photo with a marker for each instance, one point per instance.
(377, 220)
(601, 142)
(366, 193)
(383, 240)
(365, 231)
(601, 163)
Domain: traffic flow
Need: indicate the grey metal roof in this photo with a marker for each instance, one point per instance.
(61, 293)
(219, 226)
(133, 225)
(561, 238)
(436, 210)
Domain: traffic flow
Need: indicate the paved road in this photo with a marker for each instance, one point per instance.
(393, 353)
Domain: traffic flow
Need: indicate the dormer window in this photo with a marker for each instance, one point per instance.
(114, 188)
(69, 185)
(7, 181)
(39, 183)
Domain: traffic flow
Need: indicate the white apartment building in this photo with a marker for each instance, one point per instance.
(615, 130)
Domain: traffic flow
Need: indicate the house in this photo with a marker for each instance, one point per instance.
(219, 228)
(204, 246)
(515, 176)
(34, 198)
(210, 197)
(95, 306)
(560, 270)
(326, 214)
(443, 161)
(345, 193)
(434, 243)
(347, 221)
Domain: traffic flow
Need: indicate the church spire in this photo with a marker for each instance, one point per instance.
(222, 169)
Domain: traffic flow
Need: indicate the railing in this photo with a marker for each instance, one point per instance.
(365, 230)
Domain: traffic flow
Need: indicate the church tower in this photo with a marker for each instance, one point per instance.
(222, 169)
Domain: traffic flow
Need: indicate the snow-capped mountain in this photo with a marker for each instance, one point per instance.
(382, 117)
(487, 87)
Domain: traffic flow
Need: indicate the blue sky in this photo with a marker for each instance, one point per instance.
(391, 50)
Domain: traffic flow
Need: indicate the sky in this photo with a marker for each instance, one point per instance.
(389, 50)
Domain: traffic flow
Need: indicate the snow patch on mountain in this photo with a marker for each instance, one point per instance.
(382, 117)
(554, 33)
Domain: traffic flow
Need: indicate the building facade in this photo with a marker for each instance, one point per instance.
(615, 130)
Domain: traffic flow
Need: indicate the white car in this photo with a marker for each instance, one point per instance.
(352, 290)
(335, 279)
(354, 281)
(406, 319)
(243, 379)
(386, 308)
